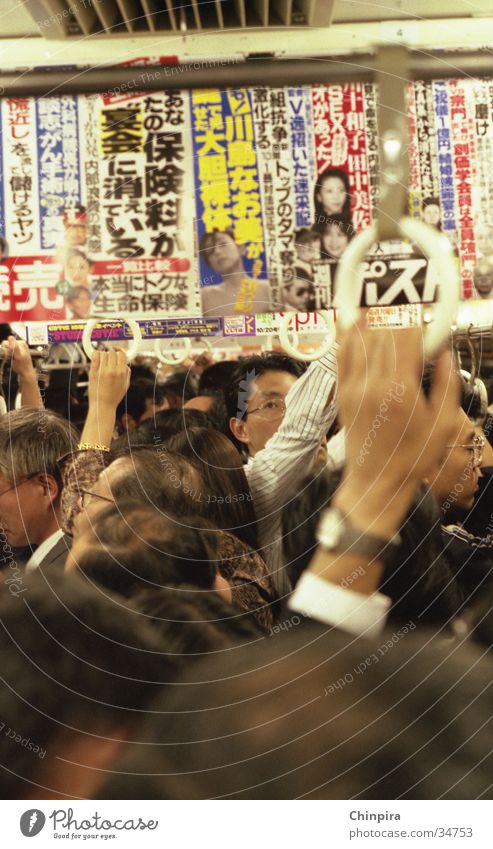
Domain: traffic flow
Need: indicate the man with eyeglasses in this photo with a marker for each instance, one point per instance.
(31, 441)
(455, 483)
(281, 413)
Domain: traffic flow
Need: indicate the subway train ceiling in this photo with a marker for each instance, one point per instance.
(76, 19)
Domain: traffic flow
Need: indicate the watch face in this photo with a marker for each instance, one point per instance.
(332, 528)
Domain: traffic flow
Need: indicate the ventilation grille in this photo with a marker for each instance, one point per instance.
(75, 18)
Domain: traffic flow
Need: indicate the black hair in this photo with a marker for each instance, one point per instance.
(209, 240)
(249, 368)
(304, 236)
(216, 378)
(418, 579)
(74, 661)
(134, 402)
(300, 517)
(299, 274)
(166, 423)
(431, 201)
(217, 415)
(182, 383)
(132, 546)
(141, 371)
(229, 500)
(4, 248)
(320, 213)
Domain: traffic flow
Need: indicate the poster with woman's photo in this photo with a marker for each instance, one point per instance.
(230, 203)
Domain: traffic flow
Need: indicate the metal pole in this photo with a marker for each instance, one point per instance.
(218, 73)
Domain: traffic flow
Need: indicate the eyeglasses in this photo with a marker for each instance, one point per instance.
(87, 495)
(477, 447)
(271, 410)
(16, 485)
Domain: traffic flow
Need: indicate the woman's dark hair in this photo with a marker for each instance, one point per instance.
(166, 423)
(229, 500)
(320, 213)
(133, 547)
(342, 224)
(418, 579)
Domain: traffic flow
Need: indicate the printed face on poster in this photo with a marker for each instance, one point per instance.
(225, 203)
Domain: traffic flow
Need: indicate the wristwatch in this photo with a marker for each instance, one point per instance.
(336, 533)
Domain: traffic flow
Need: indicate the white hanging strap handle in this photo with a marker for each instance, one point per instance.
(479, 389)
(324, 347)
(171, 360)
(132, 349)
(434, 245)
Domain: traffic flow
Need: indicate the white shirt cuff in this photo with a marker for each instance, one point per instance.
(362, 615)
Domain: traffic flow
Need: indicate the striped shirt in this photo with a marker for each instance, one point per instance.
(276, 471)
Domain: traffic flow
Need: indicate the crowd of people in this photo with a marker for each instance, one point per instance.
(252, 580)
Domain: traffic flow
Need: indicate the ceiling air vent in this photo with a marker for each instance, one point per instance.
(76, 18)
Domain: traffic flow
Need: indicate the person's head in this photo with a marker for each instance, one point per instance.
(128, 546)
(332, 195)
(221, 252)
(216, 378)
(483, 278)
(432, 214)
(78, 670)
(299, 293)
(307, 244)
(166, 423)
(256, 397)
(79, 302)
(312, 714)
(336, 235)
(149, 474)
(229, 500)
(143, 399)
(75, 223)
(31, 442)
(179, 387)
(77, 268)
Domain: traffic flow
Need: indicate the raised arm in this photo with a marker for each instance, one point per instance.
(108, 381)
(23, 367)
(109, 378)
(384, 468)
